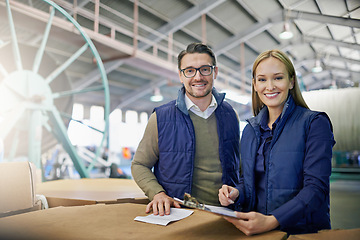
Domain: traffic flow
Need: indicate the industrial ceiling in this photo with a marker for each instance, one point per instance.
(138, 42)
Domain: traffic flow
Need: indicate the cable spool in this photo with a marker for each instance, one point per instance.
(61, 83)
(36, 95)
(343, 108)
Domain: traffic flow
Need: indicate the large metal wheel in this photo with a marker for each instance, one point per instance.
(36, 97)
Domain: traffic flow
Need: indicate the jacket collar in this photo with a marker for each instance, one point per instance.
(286, 112)
(180, 101)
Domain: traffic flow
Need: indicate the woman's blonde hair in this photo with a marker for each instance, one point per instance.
(257, 104)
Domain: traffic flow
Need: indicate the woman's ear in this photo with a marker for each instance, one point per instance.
(292, 82)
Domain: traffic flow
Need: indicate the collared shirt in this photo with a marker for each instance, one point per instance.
(195, 109)
(261, 159)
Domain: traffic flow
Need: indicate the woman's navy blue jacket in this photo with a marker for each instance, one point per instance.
(297, 175)
(174, 169)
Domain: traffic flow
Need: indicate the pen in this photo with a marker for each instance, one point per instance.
(231, 192)
(230, 201)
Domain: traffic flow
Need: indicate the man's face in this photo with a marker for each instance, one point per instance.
(198, 86)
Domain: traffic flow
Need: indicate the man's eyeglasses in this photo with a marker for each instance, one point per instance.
(191, 72)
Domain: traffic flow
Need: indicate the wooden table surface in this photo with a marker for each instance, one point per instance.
(116, 221)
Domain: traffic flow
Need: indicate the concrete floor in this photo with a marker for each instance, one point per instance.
(345, 204)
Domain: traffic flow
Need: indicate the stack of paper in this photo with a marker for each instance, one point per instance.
(175, 215)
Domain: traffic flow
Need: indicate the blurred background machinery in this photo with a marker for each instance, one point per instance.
(37, 97)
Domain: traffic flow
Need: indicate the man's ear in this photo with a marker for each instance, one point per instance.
(180, 77)
(216, 69)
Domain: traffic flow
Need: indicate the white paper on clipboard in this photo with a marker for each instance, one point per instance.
(213, 209)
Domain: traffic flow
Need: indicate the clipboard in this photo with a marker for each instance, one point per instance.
(192, 202)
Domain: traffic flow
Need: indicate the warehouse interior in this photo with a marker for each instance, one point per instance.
(79, 79)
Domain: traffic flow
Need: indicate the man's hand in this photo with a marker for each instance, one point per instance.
(227, 195)
(253, 222)
(161, 204)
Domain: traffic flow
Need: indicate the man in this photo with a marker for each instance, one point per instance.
(191, 142)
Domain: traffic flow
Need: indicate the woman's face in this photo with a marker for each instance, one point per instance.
(272, 83)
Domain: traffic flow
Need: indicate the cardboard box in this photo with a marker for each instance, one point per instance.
(17, 188)
(116, 221)
(345, 234)
(86, 191)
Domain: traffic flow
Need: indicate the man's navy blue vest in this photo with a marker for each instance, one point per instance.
(174, 169)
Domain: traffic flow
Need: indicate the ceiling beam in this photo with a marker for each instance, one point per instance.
(182, 20)
(138, 93)
(170, 27)
(327, 41)
(304, 62)
(243, 36)
(349, 60)
(308, 39)
(321, 83)
(326, 19)
(261, 26)
(153, 68)
(355, 74)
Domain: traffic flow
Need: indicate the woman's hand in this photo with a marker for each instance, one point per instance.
(227, 195)
(253, 222)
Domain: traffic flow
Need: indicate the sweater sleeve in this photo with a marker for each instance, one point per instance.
(317, 171)
(146, 156)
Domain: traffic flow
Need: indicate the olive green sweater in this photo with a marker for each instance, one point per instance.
(207, 167)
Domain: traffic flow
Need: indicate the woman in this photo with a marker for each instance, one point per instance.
(286, 152)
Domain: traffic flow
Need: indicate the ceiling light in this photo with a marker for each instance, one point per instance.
(157, 97)
(333, 85)
(286, 33)
(317, 68)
